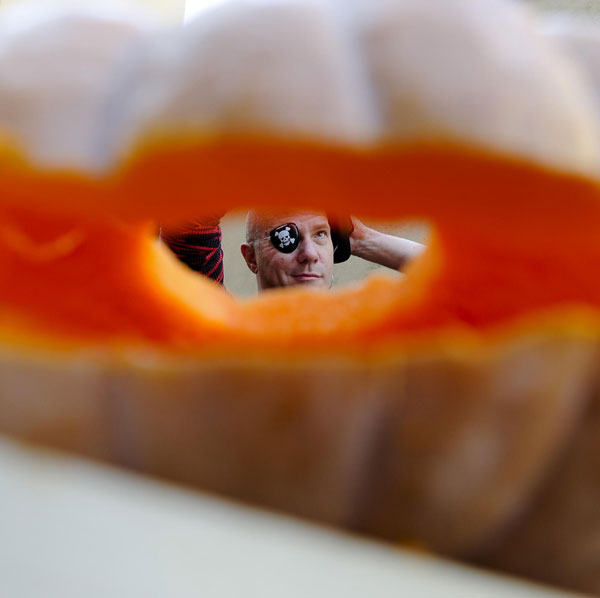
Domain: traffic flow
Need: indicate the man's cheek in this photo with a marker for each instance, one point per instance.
(282, 269)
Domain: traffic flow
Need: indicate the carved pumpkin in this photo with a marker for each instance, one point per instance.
(431, 409)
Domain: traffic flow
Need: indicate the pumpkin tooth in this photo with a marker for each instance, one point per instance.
(55, 77)
(581, 40)
(477, 74)
(280, 69)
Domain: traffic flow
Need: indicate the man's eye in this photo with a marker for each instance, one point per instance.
(322, 234)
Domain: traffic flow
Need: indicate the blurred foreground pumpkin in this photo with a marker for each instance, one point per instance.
(455, 407)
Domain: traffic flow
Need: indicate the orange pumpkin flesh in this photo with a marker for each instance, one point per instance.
(493, 256)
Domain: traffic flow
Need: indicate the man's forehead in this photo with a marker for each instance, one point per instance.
(298, 218)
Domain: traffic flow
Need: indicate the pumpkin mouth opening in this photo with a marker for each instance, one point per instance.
(79, 258)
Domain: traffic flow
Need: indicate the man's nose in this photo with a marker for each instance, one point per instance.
(307, 252)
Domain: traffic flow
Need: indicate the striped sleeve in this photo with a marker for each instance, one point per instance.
(198, 246)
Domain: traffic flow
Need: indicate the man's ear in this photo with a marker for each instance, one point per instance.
(250, 257)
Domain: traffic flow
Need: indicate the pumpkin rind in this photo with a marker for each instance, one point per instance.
(556, 537)
(392, 448)
(474, 437)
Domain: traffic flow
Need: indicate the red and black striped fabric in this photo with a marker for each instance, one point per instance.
(198, 246)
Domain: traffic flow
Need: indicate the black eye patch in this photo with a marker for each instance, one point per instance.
(285, 238)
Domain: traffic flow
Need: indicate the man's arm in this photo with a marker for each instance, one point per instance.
(380, 248)
(198, 245)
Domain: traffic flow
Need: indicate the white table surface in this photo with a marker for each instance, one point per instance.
(70, 528)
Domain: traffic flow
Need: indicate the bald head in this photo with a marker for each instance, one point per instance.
(255, 223)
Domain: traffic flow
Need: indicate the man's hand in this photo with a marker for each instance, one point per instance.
(380, 248)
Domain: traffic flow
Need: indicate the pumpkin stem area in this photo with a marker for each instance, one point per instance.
(80, 262)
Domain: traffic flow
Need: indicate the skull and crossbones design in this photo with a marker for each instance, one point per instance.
(286, 237)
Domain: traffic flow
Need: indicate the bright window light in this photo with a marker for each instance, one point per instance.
(194, 7)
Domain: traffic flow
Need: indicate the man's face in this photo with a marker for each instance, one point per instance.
(311, 263)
